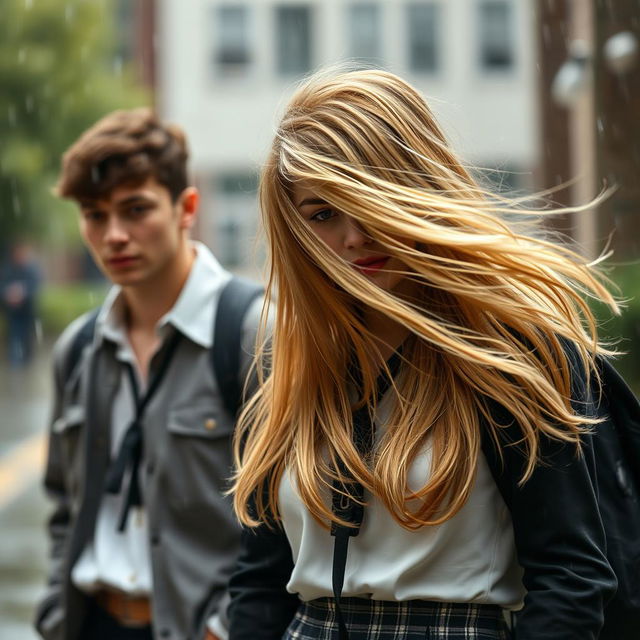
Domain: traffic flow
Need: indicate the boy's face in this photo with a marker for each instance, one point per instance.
(136, 233)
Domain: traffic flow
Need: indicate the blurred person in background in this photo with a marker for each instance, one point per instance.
(142, 538)
(19, 285)
(419, 461)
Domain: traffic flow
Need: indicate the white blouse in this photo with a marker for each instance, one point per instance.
(469, 558)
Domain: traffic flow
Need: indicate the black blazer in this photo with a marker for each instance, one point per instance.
(558, 530)
(558, 534)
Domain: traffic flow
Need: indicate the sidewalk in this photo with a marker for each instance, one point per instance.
(24, 406)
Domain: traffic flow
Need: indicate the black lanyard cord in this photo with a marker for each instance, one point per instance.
(131, 449)
(348, 494)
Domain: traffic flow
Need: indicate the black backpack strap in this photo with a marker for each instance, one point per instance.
(624, 410)
(235, 299)
(82, 338)
(348, 495)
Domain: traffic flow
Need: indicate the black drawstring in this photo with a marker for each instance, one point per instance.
(131, 449)
(348, 494)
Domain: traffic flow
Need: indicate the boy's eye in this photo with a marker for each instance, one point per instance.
(323, 215)
(93, 216)
(137, 209)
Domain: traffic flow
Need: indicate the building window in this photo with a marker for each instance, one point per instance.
(293, 39)
(496, 35)
(235, 225)
(232, 53)
(364, 32)
(423, 27)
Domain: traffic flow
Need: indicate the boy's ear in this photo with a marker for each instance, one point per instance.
(188, 203)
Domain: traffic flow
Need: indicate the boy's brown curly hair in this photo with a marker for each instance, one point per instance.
(124, 147)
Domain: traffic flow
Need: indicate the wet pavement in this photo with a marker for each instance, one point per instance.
(24, 407)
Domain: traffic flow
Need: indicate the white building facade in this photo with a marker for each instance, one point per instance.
(225, 68)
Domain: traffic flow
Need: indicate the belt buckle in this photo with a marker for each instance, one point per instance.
(125, 608)
(128, 617)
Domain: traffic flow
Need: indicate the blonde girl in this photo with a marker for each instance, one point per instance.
(426, 405)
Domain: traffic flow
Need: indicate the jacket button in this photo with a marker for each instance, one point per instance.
(155, 539)
(210, 424)
(151, 467)
(165, 633)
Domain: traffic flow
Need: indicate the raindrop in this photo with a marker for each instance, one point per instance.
(68, 13)
(28, 4)
(610, 8)
(39, 332)
(11, 115)
(28, 103)
(624, 89)
(616, 131)
(17, 209)
(117, 65)
(22, 55)
(600, 124)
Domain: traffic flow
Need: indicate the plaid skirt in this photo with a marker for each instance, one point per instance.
(408, 620)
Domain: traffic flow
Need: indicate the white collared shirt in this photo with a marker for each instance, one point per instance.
(122, 560)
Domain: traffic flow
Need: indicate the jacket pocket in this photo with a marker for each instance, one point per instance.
(198, 458)
(200, 422)
(72, 417)
(67, 430)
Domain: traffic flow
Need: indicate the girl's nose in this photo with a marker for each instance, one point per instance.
(355, 236)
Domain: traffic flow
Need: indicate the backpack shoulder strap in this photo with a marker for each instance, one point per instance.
(235, 299)
(623, 409)
(82, 338)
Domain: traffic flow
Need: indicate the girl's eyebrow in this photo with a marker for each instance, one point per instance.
(312, 201)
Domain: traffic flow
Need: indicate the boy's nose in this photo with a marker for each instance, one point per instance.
(116, 232)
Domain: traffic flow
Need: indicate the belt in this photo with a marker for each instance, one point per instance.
(129, 611)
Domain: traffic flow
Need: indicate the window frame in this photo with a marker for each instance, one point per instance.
(484, 65)
(437, 22)
(286, 71)
(242, 67)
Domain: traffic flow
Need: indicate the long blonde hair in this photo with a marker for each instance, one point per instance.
(494, 307)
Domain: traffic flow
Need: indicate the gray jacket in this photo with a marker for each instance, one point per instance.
(187, 434)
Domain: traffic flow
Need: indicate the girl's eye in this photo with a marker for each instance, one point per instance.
(323, 215)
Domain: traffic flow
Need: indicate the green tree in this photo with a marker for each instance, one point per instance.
(60, 70)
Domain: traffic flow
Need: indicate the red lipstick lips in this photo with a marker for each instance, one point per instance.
(371, 265)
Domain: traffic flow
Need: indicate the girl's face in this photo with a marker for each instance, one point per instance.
(348, 240)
